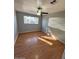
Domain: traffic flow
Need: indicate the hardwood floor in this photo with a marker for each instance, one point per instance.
(29, 46)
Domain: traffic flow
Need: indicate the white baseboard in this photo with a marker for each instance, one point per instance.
(63, 41)
(28, 32)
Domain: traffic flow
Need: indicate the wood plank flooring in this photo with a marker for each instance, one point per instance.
(29, 46)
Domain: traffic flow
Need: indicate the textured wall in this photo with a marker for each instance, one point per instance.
(27, 27)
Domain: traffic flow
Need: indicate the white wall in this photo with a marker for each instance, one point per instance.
(56, 26)
(15, 28)
(57, 22)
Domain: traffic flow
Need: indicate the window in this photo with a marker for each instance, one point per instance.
(31, 20)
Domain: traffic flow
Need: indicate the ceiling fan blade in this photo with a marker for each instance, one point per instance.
(53, 1)
(44, 12)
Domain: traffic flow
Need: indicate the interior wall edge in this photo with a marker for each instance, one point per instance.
(16, 38)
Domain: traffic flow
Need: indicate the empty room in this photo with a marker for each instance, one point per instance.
(39, 29)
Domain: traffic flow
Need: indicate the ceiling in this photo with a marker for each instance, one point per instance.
(30, 6)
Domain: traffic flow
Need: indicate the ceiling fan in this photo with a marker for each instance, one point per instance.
(39, 5)
(39, 8)
(39, 11)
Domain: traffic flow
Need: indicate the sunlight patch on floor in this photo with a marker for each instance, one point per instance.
(36, 57)
(50, 43)
(52, 37)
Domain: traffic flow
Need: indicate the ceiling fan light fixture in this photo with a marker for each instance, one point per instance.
(39, 11)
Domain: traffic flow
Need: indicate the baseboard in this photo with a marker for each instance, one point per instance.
(28, 32)
(16, 38)
(62, 41)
